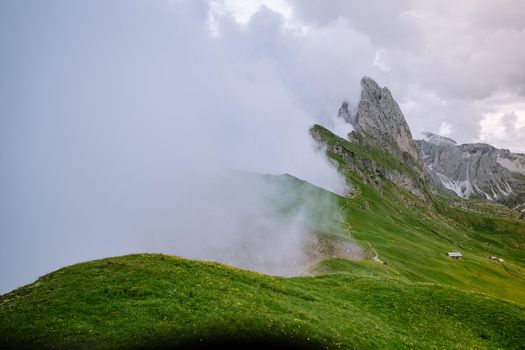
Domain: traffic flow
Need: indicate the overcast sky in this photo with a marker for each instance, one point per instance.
(455, 70)
(109, 108)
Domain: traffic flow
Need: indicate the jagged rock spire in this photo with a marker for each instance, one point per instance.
(380, 118)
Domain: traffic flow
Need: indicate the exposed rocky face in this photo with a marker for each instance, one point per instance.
(380, 118)
(474, 170)
(379, 124)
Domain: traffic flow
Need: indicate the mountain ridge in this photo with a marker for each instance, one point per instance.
(435, 163)
(474, 170)
(379, 126)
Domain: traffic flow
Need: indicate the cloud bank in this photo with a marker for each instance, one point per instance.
(114, 113)
(115, 116)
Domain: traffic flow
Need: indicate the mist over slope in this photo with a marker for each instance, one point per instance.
(135, 126)
(264, 223)
(126, 115)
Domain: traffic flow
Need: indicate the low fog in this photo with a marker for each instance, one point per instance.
(122, 124)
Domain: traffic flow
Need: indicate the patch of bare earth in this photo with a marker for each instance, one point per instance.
(318, 248)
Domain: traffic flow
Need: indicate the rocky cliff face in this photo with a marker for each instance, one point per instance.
(474, 170)
(380, 118)
(380, 125)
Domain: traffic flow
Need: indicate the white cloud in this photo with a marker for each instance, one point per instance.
(243, 10)
(504, 130)
(445, 129)
(380, 61)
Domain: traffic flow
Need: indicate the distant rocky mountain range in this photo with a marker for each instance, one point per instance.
(475, 170)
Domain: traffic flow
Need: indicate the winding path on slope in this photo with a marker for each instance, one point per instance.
(351, 196)
(348, 227)
(376, 256)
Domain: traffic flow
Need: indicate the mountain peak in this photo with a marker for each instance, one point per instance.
(379, 116)
(438, 139)
(379, 127)
(370, 86)
(474, 170)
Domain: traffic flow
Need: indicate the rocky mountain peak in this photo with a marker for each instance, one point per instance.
(379, 117)
(438, 139)
(379, 126)
(475, 170)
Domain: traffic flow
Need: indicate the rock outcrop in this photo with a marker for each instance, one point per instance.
(379, 126)
(380, 118)
(475, 170)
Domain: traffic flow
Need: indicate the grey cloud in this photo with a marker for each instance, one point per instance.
(385, 23)
(507, 134)
(114, 117)
(463, 55)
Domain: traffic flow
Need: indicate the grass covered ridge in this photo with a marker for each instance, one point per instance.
(140, 300)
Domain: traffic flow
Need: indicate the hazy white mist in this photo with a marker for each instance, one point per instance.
(119, 119)
(119, 123)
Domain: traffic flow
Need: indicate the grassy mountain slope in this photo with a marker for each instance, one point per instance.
(420, 299)
(413, 236)
(137, 301)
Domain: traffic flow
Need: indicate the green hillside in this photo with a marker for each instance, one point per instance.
(413, 236)
(140, 301)
(420, 298)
